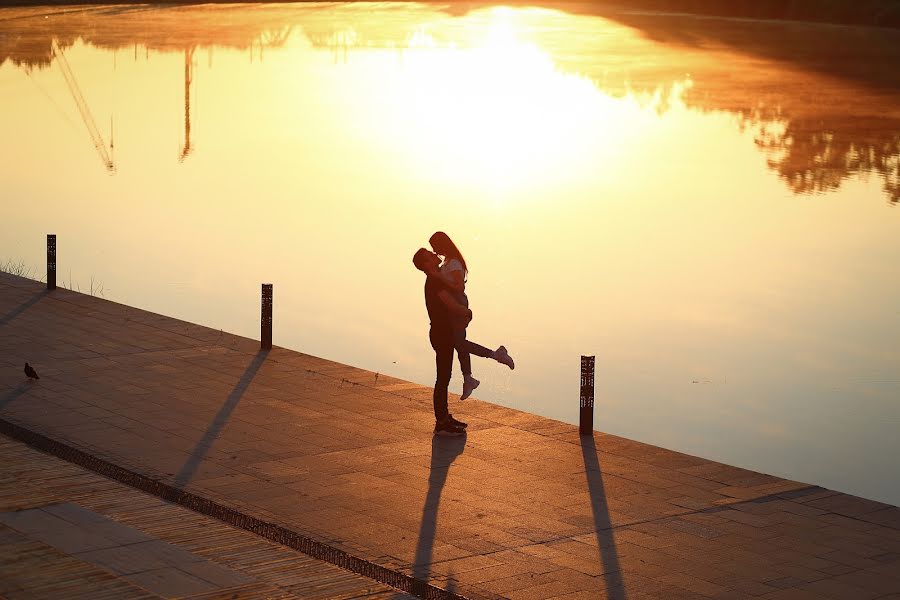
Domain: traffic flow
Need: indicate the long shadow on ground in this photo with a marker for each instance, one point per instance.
(443, 452)
(609, 558)
(219, 421)
(23, 307)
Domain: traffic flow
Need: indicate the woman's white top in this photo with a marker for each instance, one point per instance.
(451, 265)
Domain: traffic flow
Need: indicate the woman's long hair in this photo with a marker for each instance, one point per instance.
(444, 240)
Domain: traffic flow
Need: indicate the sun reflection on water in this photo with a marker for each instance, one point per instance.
(500, 114)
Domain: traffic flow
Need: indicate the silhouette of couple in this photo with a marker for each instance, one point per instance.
(449, 313)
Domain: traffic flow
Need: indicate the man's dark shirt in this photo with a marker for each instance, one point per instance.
(438, 312)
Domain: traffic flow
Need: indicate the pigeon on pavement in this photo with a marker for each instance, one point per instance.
(29, 370)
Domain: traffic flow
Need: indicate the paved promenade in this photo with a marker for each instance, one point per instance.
(67, 533)
(520, 508)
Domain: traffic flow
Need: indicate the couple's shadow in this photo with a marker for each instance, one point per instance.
(444, 450)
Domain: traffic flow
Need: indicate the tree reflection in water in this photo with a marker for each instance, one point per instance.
(824, 100)
(815, 156)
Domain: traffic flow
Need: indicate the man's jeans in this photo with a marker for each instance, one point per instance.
(442, 341)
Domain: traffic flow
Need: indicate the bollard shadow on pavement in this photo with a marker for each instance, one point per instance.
(23, 307)
(606, 545)
(218, 423)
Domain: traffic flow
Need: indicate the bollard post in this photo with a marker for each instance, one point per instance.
(265, 337)
(586, 418)
(51, 261)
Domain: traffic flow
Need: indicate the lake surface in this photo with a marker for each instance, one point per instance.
(709, 206)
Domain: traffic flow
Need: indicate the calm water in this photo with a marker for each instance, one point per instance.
(707, 206)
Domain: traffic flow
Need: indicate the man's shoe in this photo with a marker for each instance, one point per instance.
(469, 385)
(446, 428)
(457, 423)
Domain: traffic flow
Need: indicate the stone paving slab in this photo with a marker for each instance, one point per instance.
(523, 507)
(150, 548)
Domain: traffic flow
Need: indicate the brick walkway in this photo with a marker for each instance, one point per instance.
(69, 533)
(521, 508)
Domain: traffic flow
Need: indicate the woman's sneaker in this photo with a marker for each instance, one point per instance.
(502, 356)
(469, 385)
(446, 428)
